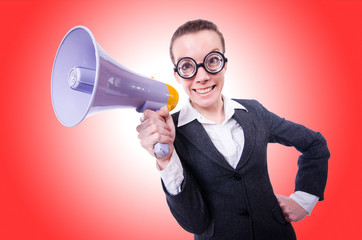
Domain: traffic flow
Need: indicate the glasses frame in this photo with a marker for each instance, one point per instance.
(201, 64)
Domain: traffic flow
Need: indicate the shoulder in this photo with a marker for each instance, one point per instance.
(251, 105)
(256, 110)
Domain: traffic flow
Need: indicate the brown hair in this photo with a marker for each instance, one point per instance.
(194, 26)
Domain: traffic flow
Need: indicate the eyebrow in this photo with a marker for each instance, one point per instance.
(215, 49)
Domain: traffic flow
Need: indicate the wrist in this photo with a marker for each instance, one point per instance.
(162, 163)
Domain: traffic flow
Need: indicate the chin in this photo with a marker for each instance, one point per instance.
(204, 103)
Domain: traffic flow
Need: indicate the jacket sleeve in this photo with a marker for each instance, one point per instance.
(313, 163)
(188, 207)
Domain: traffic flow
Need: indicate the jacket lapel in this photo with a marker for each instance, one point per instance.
(197, 135)
(246, 122)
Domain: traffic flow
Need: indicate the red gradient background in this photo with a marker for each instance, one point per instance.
(301, 59)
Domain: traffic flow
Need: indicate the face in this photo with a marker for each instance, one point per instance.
(204, 89)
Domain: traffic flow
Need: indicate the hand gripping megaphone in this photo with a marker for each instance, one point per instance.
(86, 80)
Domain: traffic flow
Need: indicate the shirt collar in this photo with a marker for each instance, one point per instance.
(188, 113)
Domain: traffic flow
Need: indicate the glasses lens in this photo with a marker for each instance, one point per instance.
(214, 62)
(186, 67)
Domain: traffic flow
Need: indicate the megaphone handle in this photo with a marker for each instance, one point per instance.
(161, 149)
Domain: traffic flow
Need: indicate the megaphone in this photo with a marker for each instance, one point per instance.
(86, 80)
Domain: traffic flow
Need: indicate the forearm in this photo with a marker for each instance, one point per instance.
(188, 206)
(172, 175)
(313, 168)
(313, 163)
(183, 196)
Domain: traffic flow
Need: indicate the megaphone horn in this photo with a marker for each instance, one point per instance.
(86, 80)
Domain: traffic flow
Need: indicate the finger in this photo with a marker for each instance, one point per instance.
(147, 129)
(149, 142)
(160, 138)
(167, 117)
(152, 129)
(153, 124)
(149, 114)
(152, 120)
(163, 112)
(286, 215)
(161, 115)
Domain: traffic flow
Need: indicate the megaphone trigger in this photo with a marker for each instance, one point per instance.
(86, 80)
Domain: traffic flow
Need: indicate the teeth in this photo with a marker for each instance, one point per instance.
(202, 91)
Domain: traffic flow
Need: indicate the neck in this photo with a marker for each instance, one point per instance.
(213, 113)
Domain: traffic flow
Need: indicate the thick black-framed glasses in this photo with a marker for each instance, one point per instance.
(213, 63)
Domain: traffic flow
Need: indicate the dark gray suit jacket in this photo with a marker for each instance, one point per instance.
(219, 202)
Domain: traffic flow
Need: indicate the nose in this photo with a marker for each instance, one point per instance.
(202, 76)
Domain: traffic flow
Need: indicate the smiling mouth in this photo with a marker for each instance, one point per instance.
(205, 90)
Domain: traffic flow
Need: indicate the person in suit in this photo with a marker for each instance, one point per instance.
(215, 177)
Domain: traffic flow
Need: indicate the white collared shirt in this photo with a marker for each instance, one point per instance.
(228, 138)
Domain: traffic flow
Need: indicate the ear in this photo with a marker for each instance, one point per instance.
(177, 77)
(226, 66)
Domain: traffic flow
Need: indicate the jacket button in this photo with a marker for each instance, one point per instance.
(236, 177)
